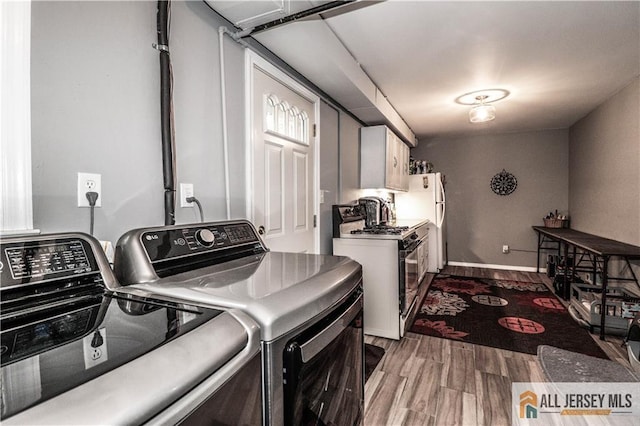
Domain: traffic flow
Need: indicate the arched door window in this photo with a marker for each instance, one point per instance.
(270, 112)
(292, 121)
(285, 120)
(281, 118)
(303, 127)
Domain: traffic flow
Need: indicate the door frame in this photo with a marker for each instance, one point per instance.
(253, 60)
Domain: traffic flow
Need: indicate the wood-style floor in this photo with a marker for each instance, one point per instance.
(423, 380)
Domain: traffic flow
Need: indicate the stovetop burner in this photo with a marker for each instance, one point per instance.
(348, 222)
(381, 230)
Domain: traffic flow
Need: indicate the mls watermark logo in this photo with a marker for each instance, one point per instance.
(575, 403)
(528, 405)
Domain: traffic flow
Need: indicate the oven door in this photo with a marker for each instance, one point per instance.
(409, 276)
(324, 370)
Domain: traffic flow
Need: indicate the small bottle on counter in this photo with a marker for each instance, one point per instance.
(392, 213)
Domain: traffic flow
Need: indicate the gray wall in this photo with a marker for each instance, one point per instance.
(95, 103)
(329, 158)
(96, 109)
(480, 222)
(349, 159)
(604, 168)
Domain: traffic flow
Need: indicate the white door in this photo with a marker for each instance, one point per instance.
(283, 162)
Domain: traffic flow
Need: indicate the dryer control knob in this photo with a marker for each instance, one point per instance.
(205, 237)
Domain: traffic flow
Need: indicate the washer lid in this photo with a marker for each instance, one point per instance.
(89, 344)
(75, 353)
(280, 291)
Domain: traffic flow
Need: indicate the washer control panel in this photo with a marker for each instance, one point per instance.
(205, 237)
(169, 243)
(34, 261)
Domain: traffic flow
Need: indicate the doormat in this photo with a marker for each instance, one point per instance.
(372, 356)
(563, 366)
(513, 315)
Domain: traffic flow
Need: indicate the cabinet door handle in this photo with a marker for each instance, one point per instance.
(261, 230)
(395, 162)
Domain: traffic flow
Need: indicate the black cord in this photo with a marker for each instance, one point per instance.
(195, 200)
(92, 197)
(91, 221)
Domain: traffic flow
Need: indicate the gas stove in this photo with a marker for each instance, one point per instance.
(349, 222)
(379, 231)
(393, 258)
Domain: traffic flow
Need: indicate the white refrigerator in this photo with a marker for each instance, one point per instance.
(426, 200)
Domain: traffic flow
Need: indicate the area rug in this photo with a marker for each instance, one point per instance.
(559, 365)
(372, 356)
(512, 315)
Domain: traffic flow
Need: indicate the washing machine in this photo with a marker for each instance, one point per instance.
(76, 351)
(308, 308)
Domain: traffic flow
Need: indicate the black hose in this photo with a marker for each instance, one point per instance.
(166, 122)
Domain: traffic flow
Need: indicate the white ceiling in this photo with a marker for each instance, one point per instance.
(559, 60)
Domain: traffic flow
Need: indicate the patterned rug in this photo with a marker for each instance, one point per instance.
(513, 315)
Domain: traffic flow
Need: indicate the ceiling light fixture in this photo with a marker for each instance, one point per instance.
(481, 100)
(482, 112)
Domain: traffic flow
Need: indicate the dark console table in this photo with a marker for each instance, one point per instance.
(600, 250)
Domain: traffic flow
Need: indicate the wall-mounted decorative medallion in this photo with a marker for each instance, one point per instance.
(503, 183)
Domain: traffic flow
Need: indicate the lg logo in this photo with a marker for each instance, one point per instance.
(151, 237)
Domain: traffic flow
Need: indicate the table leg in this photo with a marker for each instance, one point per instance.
(565, 286)
(595, 270)
(538, 258)
(633, 274)
(573, 267)
(603, 309)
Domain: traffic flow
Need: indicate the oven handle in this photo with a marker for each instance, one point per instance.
(312, 347)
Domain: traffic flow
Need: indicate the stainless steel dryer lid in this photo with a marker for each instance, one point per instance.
(280, 291)
(226, 265)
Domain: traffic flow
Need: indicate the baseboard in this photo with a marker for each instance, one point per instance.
(491, 266)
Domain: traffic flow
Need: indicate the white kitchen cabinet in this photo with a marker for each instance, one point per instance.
(404, 155)
(384, 159)
(422, 261)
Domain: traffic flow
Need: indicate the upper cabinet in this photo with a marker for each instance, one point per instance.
(384, 159)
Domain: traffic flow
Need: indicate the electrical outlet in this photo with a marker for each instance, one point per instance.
(94, 347)
(505, 248)
(186, 191)
(89, 182)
